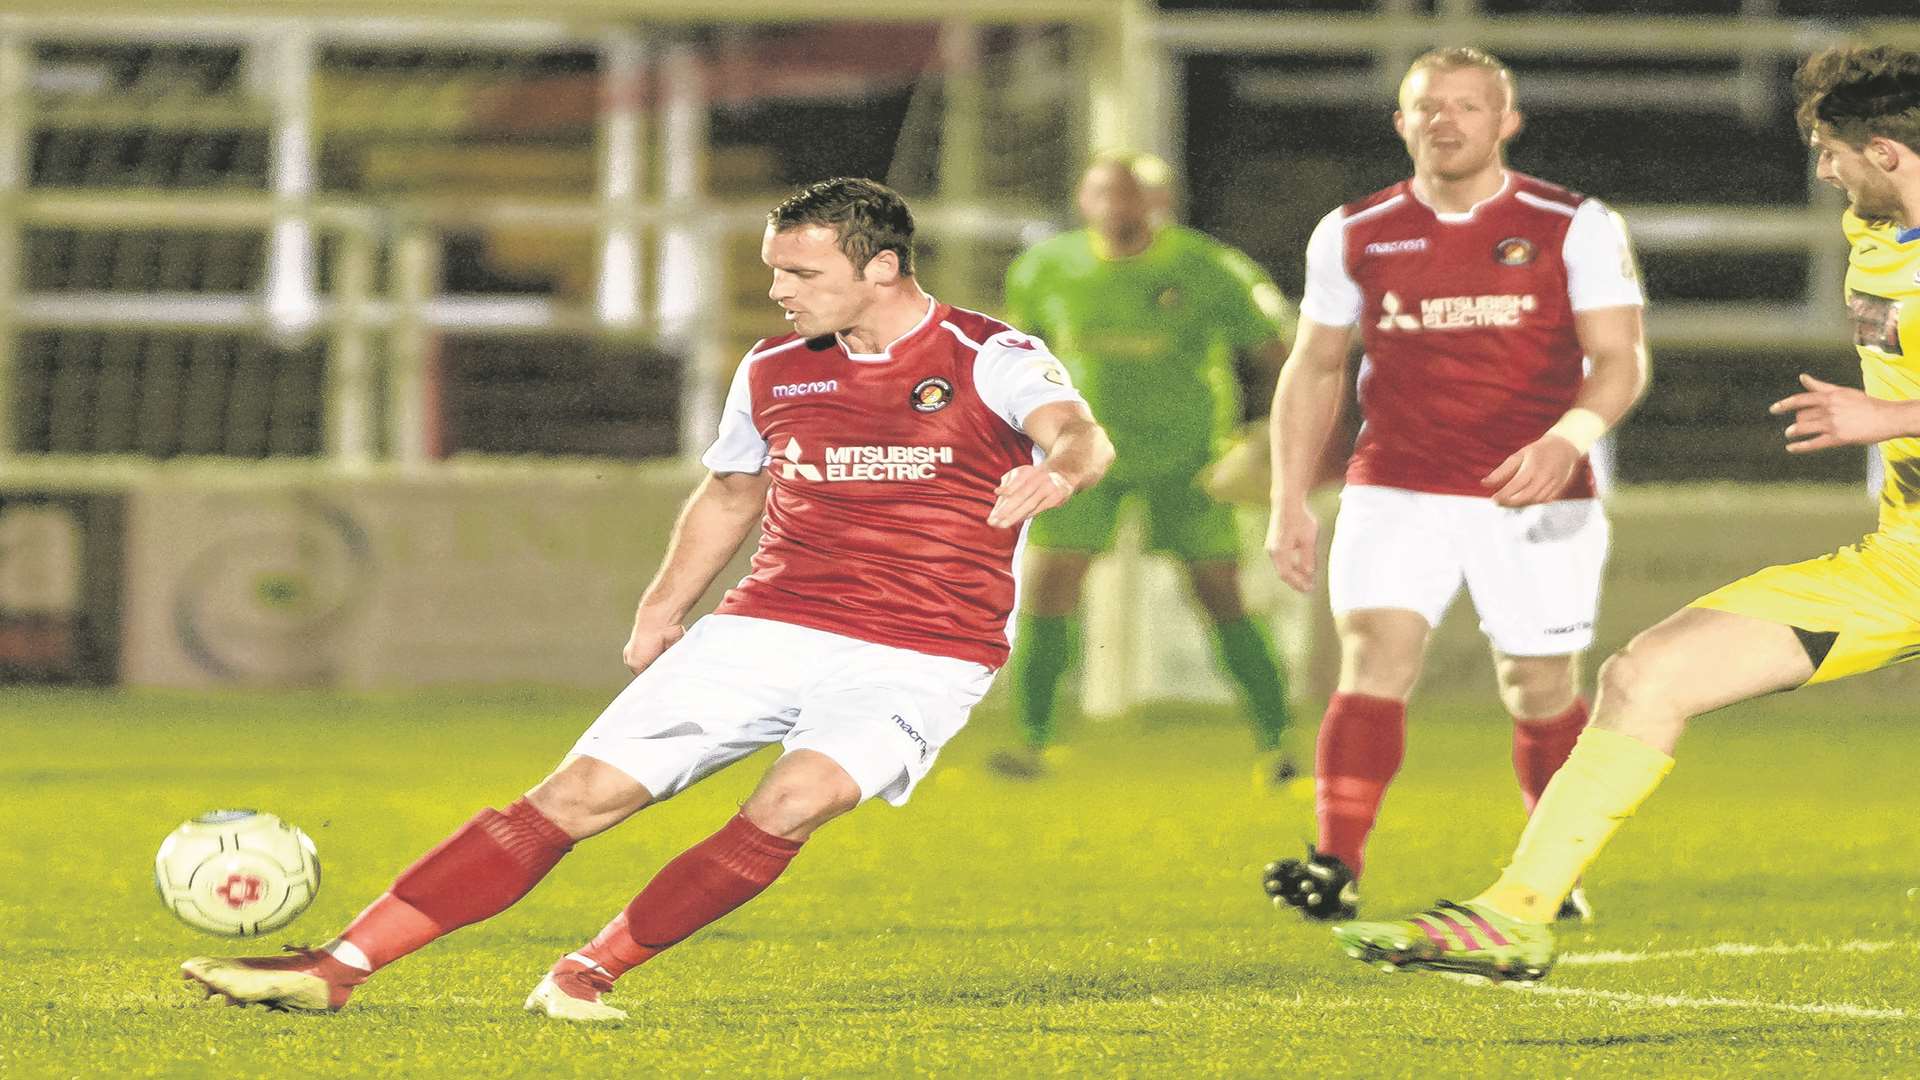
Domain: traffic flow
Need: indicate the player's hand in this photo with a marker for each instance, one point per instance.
(1535, 473)
(1025, 492)
(1826, 416)
(1293, 543)
(648, 641)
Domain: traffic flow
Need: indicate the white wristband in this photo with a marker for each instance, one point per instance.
(1581, 427)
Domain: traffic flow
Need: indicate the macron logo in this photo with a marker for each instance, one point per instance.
(917, 738)
(1396, 247)
(1018, 343)
(799, 389)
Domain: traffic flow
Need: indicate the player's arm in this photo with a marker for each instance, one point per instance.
(712, 525)
(1265, 361)
(1243, 475)
(1307, 397)
(1261, 324)
(716, 518)
(1078, 455)
(1306, 402)
(1616, 347)
(1603, 285)
(1826, 415)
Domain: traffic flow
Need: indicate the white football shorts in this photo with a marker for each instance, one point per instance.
(1533, 572)
(735, 684)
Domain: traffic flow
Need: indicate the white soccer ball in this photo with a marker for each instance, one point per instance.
(237, 873)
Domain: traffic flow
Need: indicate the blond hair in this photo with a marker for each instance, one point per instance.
(1457, 58)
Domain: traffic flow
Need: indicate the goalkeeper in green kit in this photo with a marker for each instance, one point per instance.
(1150, 320)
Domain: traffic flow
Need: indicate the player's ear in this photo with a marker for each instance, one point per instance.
(883, 269)
(1400, 123)
(1160, 204)
(1511, 123)
(1887, 153)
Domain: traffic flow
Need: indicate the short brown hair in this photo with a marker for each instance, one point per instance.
(1857, 93)
(869, 218)
(1461, 56)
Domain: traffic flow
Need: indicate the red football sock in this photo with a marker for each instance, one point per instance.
(1540, 747)
(389, 929)
(700, 885)
(1362, 741)
(481, 870)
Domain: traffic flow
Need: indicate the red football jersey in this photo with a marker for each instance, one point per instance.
(884, 469)
(1468, 325)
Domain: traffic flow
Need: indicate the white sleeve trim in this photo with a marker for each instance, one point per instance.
(1549, 205)
(738, 447)
(961, 334)
(1332, 296)
(1016, 373)
(1601, 271)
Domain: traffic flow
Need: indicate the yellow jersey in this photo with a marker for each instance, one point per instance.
(1883, 299)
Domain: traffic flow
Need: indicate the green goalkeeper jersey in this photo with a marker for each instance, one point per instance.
(1150, 339)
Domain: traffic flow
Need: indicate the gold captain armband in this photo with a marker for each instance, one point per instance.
(1581, 427)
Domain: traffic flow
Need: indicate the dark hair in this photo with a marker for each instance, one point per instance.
(869, 217)
(1856, 93)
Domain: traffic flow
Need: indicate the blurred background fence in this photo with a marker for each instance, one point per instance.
(330, 331)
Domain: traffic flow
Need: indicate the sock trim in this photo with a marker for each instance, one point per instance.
(528, 835)
(346, 952)
(753, 852)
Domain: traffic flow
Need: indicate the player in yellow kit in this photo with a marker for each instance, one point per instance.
(1855, 610)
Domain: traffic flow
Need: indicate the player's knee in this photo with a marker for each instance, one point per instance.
(1636, 674)
(583, 801)
(1536, 691)
(1378, 668)
(793, 809)
(1540, 701)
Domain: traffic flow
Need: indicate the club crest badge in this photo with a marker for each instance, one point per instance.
(931, 394)
(1513, 251)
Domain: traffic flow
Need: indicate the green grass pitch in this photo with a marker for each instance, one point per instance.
(1107, 923)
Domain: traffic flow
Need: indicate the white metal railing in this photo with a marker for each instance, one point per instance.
(356, 318)
(657, 269)
(657, 230)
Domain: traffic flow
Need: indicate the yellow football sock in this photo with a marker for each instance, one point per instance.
(1603, 782)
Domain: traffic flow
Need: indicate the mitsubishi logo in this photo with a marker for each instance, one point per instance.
(1391, 318)
(239, 890)
(793, 466)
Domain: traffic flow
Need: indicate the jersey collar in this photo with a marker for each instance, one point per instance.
(1506, 185)
(886, 354)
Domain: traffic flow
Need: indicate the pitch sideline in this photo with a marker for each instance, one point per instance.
(1683, 1001)
(1730, 949)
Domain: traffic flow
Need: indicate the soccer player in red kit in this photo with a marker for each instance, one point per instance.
(892, 448)
(1501, 321)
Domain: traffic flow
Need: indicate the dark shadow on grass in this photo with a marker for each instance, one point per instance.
(1040, 989)
(568, 941)
(1714, 1035)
